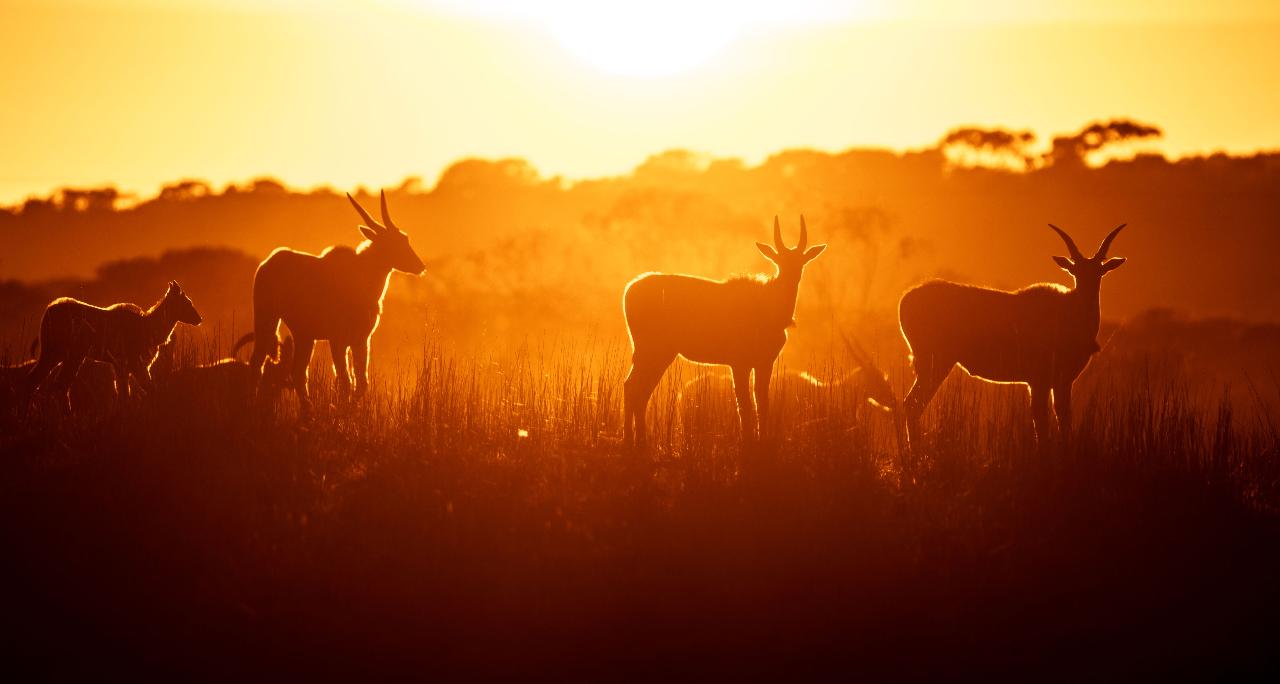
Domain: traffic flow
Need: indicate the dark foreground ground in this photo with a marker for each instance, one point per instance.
(421, 535)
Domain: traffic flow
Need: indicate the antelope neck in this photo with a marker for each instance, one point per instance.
(374, 264)
(1087, 297)
(784, 287)
(785, 281)
(159, 322)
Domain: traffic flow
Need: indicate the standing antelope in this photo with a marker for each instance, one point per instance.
(335, 296)
(741, 322)
(121, 334)
(1042, 335)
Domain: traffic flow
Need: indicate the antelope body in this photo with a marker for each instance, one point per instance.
(226, 382)
(740, 322)
(123, 335)
(335, 296)
(1042, 335)
(705, 399)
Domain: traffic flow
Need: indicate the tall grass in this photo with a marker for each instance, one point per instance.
(478, 514)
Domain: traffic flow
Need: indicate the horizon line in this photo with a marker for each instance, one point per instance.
(9, 203)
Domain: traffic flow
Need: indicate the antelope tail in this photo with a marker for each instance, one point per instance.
(245, 339)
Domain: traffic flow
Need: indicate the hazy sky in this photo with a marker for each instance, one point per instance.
(140, 92)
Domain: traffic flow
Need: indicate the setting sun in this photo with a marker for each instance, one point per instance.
(588, 340)
(645, 39)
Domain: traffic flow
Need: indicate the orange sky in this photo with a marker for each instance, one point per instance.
(140, 92)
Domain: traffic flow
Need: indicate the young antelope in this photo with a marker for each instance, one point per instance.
(123, 335)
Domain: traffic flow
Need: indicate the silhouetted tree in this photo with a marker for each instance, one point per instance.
(1072, 150)
(976, 145)
(36, 207)
(672, 168)
(868, 232)
(411, 184)
(470, 177)
(268, 186)
(185, 190)
(90, 200)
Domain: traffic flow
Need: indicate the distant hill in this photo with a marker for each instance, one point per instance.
(510, 252)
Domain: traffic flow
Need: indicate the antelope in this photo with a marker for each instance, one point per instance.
(703, 399)
(1042, 335)
(227, 380)
(740, 322)
(123, 335)
(871, 383)
(335, 296)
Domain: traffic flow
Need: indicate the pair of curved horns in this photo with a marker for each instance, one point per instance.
(777, 236)
(1075, 252)
(387, 223)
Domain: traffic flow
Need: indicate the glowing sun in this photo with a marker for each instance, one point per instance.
(644, 39)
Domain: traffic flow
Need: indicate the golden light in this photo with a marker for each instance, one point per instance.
(644, 39)
(651, 38)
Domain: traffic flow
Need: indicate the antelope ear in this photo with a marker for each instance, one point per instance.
(1112, 264)
(769, 253)
(813, 252)
(369, 233)
(1063, 263)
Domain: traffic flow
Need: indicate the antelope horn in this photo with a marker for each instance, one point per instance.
(386, 215)
(368, 220)
(1106, 244)
(804, 235)
(777, 235)
(1071, 245)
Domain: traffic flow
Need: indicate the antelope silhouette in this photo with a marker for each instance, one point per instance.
(1042, 335)
(871, 382)
(228, 381)
(705, 400)
(335, 296)
(124, 335)
(741, 322)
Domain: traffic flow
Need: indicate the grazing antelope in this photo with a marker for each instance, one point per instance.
(1042, 335)
(228, 381)
(705, 398)
(121, 334)
(741, 322)
(871, 383)
(335, 296)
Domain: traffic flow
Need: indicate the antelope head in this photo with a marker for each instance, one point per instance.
(873, 381)
(180, 306)
(387, 241)
(1088, 271)
(790, 262)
